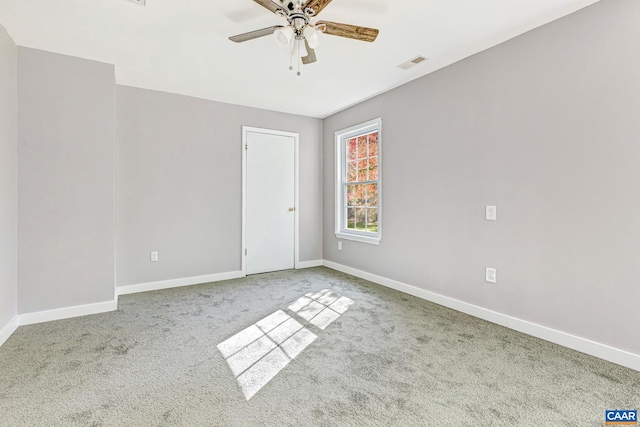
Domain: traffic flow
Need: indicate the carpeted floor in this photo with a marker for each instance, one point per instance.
(389, 359)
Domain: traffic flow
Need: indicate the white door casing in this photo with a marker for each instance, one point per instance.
(270, 200)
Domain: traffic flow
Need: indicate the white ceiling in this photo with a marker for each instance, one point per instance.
(182, 46)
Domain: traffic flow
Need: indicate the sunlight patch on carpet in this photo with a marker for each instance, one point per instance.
(256, 354)
(321, 308)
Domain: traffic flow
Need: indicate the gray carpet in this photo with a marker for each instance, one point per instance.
(390, 359)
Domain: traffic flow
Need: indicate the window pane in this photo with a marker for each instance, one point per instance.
(351, 218)
(352, 172)
(361, 217)
(362, 147)
(361, 195)
(351, 195)
(351, 149)
(372, 195)
(373, 144)
(358, 181)
(372, 220)
(373, 169)
(363, 168)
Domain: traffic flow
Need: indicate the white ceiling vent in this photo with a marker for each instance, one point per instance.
(140, 2)
(412, 62)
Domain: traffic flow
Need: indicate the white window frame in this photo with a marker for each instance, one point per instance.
(341, 137)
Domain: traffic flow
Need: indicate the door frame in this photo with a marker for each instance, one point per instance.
(296, 239)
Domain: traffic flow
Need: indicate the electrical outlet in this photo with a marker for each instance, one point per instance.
(491, 213)
(339, 246)
(154, 256)
(490, 275)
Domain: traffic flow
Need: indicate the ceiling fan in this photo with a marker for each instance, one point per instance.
(300, 33)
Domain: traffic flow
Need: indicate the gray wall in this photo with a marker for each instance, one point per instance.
(179, 184)
(8, 179)
(66, 187)
(546, 127)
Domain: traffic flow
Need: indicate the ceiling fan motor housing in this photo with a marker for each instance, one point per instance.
(298, 20)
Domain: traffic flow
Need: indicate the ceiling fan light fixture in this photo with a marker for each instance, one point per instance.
(300, 49)
(313, 36)
(283, 35)
(300, 35)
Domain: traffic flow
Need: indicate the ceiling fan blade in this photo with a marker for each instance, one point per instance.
(316, 5)
(350, 31)
(254, 34)
(311, 54)
(271, 5)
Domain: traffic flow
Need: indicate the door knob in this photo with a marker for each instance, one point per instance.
(292, 209)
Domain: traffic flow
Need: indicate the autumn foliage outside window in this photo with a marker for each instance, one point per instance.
(362, 182)
(358, 210)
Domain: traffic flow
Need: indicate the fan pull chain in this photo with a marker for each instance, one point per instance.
(298, 56)
(291, 56)
(295, 50)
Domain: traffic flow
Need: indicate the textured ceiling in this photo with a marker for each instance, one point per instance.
(183, 47)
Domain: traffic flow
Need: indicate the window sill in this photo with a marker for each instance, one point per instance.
(358, 238)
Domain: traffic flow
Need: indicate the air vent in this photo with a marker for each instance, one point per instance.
(412, 62)
(140, 2)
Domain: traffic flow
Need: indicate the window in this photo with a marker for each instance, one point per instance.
(358, 189)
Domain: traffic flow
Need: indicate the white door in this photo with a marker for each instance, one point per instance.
(270, 201)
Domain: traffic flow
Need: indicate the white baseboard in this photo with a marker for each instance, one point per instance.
(176, 283)
(9, 329)
(68, 312)
(309, 264)
(602, 351)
